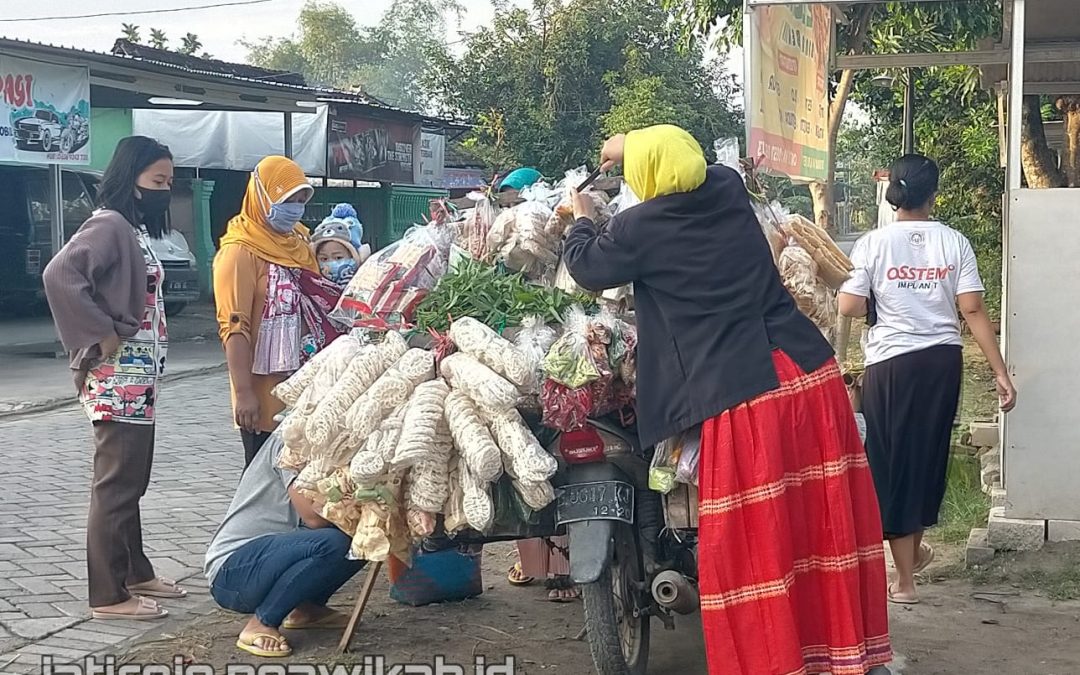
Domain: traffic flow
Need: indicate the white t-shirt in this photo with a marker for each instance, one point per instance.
(915, 270)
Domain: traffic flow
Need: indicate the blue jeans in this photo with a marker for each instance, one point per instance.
(274, 574)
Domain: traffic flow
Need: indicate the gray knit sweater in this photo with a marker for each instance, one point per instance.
(96, 285)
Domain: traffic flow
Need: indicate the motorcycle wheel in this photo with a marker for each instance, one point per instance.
(67, 142)
(618, 640)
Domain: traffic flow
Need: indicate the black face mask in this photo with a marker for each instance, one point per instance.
(153, 204)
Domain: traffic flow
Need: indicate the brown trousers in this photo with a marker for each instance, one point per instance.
(123, 455)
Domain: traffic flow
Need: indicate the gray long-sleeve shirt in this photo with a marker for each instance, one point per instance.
(96, 284)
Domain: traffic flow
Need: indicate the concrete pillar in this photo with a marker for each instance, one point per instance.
(204, 250)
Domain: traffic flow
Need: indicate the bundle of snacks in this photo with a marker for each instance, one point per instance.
(814, 298)
(423, 418)
(492, 393)
(477, 225)
(479, 453)
(526, 459)
(476, 503)
(519, 238)
(388, 287)
(365, 368)
(833, 265)
(372, 461)
(391, 390)
(491, 349)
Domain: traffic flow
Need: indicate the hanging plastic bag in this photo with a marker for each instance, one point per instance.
(626, 199)
(565, 409)
(690, 453)
(474, 231)
(569, 361)
(664, 465)
(384, 293)
(533, 341)
(727, 154)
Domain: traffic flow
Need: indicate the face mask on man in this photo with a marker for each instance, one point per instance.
(339, 271)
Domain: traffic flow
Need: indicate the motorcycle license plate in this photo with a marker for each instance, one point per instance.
(602, 500)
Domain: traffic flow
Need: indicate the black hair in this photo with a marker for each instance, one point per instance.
(117, 191)
(913, 181)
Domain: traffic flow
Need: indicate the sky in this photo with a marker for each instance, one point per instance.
(219, 29)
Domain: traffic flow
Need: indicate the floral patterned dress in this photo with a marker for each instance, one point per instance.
(124, 387)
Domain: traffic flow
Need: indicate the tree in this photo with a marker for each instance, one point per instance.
(388, 61)
(131, 33)
(327, 48)
(190, 44)
(410, 38)
(876, 28)
(561, 76)
(158, 39)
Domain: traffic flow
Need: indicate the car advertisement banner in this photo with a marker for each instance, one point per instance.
(44, 112)
(787, 89)
(367, 149)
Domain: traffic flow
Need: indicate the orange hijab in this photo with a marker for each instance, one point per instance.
(275, 179)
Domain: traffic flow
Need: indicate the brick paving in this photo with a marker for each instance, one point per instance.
(44, 493)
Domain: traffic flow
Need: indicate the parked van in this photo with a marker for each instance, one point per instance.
(26, 240)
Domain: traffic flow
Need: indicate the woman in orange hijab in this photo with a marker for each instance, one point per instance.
(272, 304)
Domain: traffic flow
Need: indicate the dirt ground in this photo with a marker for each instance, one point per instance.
(962, 626)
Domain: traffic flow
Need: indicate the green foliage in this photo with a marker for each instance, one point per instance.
(189, 44)
(130, 32)
(158, 39)
(483, 292)
(388, 61)
(559, 77)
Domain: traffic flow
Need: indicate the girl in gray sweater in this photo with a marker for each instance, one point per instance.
(104, 291)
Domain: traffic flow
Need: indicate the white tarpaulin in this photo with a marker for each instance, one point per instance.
(429, 170)
(235, 140)
(44, 112)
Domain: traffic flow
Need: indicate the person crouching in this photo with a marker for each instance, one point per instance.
(276, 558)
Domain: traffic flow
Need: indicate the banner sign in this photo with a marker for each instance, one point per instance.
(44, 112)
(787, 89)
(360, 148)
(429, 170)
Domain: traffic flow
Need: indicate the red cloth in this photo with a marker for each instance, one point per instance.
(791, 562)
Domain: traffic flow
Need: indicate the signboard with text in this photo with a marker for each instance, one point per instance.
(44, 112)
(431, 164)
(361, 148)
(787, 89)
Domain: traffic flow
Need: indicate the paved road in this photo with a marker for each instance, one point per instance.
(43, 500)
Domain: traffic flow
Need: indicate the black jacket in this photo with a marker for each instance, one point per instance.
(710, 303)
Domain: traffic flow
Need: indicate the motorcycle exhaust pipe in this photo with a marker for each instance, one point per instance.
(674, 592)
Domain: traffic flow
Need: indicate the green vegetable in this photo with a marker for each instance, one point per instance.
(492, 296)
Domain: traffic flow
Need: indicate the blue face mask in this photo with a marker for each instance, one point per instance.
(284, 217)
(339, 271)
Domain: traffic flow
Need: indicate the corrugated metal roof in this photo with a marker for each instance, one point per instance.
(123, 47)
(173, 63)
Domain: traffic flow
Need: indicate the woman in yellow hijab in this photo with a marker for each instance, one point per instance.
(725, 353)
(271, 302)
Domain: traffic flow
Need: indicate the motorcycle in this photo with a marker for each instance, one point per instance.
(75, 136)
(629, 565)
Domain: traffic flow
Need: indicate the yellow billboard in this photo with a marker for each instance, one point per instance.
(788, 89)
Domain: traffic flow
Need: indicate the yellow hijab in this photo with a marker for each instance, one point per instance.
(662, 160)
(275, 179)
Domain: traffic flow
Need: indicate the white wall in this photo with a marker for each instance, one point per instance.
(1041, 324)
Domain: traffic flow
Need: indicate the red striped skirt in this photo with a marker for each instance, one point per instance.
(791, 563)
